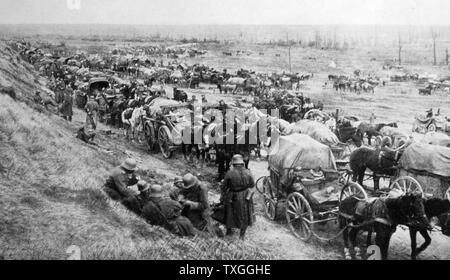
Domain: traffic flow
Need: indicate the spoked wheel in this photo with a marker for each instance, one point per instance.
(261, 183)
(270, 208)
(150, 136)
(164, 141)
(432, 128)
(345, 178)
(355, 190)
(264, 187)
(406, 184)
(299, 215)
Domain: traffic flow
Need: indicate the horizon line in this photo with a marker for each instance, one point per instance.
(238, 24)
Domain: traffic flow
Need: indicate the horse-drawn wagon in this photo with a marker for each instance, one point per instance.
(418, 168)
(319, 200)
(424, 124)
(305, 180)
(97, 84)
(428, 160)
(425, 169)
(162, 126)
(168, 121)
(410, 168)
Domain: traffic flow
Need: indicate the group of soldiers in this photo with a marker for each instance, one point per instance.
(184, 207)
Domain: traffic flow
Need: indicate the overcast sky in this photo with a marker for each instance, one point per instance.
(404, 12)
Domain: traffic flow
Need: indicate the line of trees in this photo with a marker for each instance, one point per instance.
(434, 38)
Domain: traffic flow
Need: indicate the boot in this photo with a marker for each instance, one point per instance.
(242, 233)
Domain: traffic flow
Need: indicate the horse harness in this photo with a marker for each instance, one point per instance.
(373, 210)
(381, 155)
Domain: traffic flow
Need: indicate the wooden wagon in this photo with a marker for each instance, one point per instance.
(305, 181)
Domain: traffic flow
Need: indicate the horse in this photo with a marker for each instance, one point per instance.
(180, 95)
(374, 130)
(381, 215)
(397, 136)
(225, 88)
(117, 107)
(380, 161)
(346, 133)
(366, 87)
(134, 121)
(332, 77)
(434, 207)
(194, 82)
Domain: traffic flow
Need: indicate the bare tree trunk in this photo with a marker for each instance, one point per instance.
(434, 52)
(434, 36)
(399, 50)
(446, 56)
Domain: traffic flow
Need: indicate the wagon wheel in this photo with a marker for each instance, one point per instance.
(164, 141)
(298, 214)
(270, 208)
(407, 184)
(355, 190)
(432, 127)
(345, 177)
(261, 182)
(150, 136)
(264, 186)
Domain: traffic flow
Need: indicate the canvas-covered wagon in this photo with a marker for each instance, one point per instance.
(305, 181)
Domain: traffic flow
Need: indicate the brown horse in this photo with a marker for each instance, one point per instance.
(382, 216)
(381, 161)
(434, 207)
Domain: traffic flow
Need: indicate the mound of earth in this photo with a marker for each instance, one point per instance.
(50, 184)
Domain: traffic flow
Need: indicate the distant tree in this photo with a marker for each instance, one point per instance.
(434, 36)
(318, 39)
(446, 56)
(400, 47)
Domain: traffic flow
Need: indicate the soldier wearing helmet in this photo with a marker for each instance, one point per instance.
(117, 185)
(193, 196)
(238, 197)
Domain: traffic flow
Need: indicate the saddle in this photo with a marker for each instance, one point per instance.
(373, 209)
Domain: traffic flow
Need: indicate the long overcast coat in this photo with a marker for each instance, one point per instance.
(239, 212)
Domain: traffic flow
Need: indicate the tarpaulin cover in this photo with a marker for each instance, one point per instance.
(236, 81)
(177, 75)
(83, 71)
(299, 150)
(120, 81)
(316, 130)
(155, 105)
(427, 158)
(393, 132)
(436, 138)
